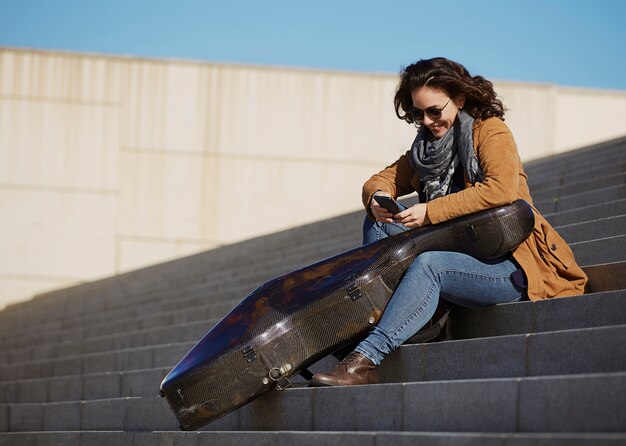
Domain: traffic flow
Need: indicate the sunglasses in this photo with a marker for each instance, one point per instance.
(432, 112)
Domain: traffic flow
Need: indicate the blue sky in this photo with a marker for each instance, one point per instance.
(566, 42)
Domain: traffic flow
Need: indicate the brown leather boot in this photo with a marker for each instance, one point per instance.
(354, 369)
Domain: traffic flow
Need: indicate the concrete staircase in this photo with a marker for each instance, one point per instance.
(82, 366)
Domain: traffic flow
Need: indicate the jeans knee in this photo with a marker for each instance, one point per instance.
(430, 263)
(372, 231)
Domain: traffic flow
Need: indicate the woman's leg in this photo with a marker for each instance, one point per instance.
(456, 277)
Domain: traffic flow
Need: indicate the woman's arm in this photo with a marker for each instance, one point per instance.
(394, 180)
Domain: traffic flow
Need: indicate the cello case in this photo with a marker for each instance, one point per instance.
(292, 321)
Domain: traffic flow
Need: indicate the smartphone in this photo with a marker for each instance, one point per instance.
(388, 203)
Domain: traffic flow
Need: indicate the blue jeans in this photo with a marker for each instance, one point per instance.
(458, 278)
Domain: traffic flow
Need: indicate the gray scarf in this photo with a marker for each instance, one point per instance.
(435, 162)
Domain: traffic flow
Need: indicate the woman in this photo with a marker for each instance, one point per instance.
(463, 160)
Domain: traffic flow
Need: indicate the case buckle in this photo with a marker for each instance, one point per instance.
(354, 292)
(249, 353)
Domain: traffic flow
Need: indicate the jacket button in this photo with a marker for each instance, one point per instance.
(553, 246)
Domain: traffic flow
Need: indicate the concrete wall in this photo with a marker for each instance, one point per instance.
(109, 163)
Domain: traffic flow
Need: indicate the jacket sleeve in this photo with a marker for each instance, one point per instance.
(499, 159)
(394, 179)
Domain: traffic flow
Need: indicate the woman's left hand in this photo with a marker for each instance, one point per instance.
(413, 216)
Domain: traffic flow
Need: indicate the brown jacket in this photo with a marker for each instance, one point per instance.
(547, 261)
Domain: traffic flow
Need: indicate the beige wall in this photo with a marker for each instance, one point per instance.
(109, 163)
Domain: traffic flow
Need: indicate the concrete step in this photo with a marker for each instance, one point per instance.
(305, 438)
(611, 150)
(89, 386)
(594, 229)
(604, 250)
(565, 160)
(147, 357)
(542, 183)
(539, 404)
(598, 350)
(575, 174)
(587, 213)
(606, 277)
(84, 323)
(586, 311)
(185, 332)
(577, 170)
(542, 404)
(590, 350)
(582, 199)
(583, 185)
(80, 337)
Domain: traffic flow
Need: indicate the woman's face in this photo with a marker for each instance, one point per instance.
(426, 98)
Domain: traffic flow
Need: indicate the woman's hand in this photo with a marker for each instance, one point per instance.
(414, 216)
(411, 217)
(379, 212)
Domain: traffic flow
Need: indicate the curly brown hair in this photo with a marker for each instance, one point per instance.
(452, 78)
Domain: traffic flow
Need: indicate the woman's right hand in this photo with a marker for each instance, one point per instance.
(379, 212)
